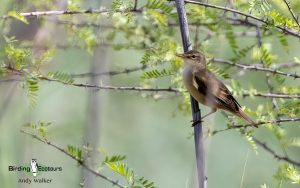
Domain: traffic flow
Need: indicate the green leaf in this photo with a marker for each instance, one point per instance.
(17, 16)
(231, 38)
(158, 18)
(259, 7)
(292, 142)
(146, 183)
(287, 172)
(116, 5)
(241, 53)
(32, 90)
(20, 57)
(283, 41)
(75, 152)
(218, 71)
(160, 5)
(156, 74)
(40, 127)
(62, 77)
(114, 158)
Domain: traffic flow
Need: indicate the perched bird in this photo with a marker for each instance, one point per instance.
(206, 88)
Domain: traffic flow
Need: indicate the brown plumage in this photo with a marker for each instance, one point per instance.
(206, 88)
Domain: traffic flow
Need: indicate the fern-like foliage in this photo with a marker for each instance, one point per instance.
(264, 54)
(218, 71)
(147, 56)
(283, 41)
(132, 180)
(259, 7)
(287, 173)
(231, 38)
(290, 108)
(295, 142)
(61, 77)
(160, 5)
(156, 74)
(18, 57)
(145, 183)
(123, 170)
(116, 4)
(75, 152)
(32, 86)
(114, 158)
(277, 19)
(40, 127)
(239, 54)
(17, 16)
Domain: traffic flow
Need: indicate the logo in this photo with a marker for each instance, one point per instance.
(34, 167)
(34, 170)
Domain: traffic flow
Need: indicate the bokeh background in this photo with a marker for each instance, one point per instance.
(154, 134)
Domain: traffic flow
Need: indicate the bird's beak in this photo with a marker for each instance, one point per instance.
(180, 55)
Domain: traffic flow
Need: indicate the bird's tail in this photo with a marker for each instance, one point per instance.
(246, 117)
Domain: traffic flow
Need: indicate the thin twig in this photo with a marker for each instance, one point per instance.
(275, 155)
(278, 121)
(80, 162)
(68, 12)
(109, 73)
(135, 4)
(282, 28)
(138, 88)
(255, 67)
(273, 95)
(120, 88)
(287, 65)
(292, 12)
(169, 90)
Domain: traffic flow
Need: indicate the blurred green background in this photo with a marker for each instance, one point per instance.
(153, 134)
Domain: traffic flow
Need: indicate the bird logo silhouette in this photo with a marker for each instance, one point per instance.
(34, 167)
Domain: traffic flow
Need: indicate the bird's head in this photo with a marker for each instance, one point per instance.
(193, 57)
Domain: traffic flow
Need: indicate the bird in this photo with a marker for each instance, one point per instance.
(204, 86)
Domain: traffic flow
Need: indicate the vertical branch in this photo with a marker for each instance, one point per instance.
(292, 12)
(268, 80)
(198, 134)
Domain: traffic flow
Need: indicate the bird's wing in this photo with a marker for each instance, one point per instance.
(214, 90)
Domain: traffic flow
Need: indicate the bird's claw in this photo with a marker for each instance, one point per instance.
(196, 122)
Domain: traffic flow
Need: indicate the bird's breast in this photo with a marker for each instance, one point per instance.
(191, 85)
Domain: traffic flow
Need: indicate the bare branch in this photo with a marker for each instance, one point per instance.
(292, 12)
(80, 162)
(109, 73)
(287, 65)
(67, 12)
(278, 121)
(120, 88)
(255, 67)
(273, 95)
(275, 155)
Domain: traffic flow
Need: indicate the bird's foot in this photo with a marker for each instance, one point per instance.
(196, 122)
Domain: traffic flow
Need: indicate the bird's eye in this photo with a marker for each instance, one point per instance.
(193, 56)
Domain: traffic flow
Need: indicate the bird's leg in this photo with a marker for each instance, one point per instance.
(213, 110)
